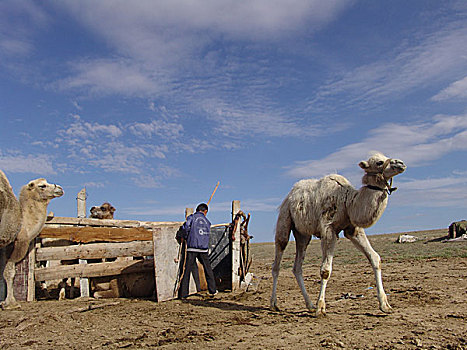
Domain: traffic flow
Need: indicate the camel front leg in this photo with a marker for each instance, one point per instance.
(360, 240)
(301, 245)
(328, 243)
(9, 275)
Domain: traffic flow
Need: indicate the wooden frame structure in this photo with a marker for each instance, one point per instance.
(100, 239)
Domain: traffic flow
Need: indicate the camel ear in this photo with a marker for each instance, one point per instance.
(364, 165)
(112, 210)
(31, 185)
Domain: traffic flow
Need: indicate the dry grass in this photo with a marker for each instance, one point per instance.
(429, 245)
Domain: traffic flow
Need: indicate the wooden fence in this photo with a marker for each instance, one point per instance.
(87, 239)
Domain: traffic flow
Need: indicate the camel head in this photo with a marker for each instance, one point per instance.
(105, 211)
(378, 163)
(41, 190)
(380, 169)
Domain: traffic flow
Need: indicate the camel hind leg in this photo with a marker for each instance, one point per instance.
(283, 228)
(301, 242)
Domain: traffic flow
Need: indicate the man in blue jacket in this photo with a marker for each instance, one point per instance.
(196, 231)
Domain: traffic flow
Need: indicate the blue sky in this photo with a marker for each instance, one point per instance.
(149, 103)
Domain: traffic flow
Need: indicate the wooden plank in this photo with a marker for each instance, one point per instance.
(95, 251)
(65, 221)
(84, 289)
(31, 292)
(92, 222)
(166, 264)
(236, 249)
(93, 270)
(83, 282)
(86, 234)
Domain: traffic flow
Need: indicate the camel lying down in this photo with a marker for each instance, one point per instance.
(323, 208)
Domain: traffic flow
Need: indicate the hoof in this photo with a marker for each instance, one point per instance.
(274, 307)
(10, 305)
(320, 313)
(386, 308)
(321, 309)
(311, 307)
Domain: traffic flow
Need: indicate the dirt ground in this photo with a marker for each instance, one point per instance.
(426, 282)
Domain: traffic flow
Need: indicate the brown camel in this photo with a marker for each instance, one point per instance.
(105, 211)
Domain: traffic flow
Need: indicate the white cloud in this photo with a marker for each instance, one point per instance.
(159, 128)
(166, 47)
(118, 157)
(19, 20)
(436, 57)
(18, 163)
(433, 192)
(107, 76)
(416, 144)
(458, 89)
(93, 184)
(82, 129)
(255, 119)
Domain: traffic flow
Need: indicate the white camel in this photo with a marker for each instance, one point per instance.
(324, 207)
(29, 221)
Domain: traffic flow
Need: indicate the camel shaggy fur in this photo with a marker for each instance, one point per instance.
(10, 213)
(33, 201)
(105, 211)
(323, 208)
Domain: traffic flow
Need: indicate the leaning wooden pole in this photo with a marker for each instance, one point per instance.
(212, 195)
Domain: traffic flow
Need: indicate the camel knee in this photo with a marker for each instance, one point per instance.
(10, 271)
(375, 261)
(325, 274)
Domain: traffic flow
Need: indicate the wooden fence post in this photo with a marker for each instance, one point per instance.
(236, 249)
(83, 282)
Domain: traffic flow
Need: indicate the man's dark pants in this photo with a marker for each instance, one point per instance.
(203, 258)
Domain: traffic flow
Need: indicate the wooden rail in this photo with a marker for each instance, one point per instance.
(95, 251)
(93, 270)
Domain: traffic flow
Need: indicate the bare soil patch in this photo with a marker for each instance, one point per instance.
(426, 282)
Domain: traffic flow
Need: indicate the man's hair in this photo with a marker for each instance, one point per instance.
(202, 207)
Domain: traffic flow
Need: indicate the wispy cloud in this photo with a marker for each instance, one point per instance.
(17, 40)
(167, 49)
(430, 58)
(416, 144)
(82, 129)
(16, 162)
(456, 90)
(450, 191)
(109, 76)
